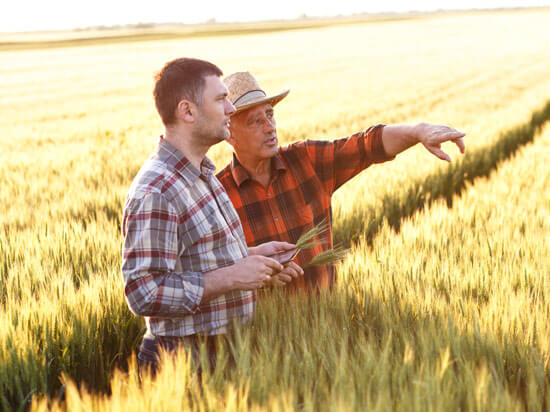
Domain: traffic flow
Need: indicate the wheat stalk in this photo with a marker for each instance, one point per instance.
(326, 257)
(307, 239)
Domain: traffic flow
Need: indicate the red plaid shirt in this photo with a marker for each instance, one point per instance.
(304, 177)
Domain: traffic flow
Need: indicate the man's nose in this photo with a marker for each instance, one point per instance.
(269, 125)
(229, 108)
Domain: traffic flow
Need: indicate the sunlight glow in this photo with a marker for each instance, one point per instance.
(67, 14)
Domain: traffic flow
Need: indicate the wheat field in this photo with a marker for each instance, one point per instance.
(442, 302)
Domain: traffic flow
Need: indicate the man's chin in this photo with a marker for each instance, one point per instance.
(272, 151)
(226, 134)
(218, 140)
(223, 135)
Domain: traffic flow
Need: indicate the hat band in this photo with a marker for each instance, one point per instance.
(249, 96)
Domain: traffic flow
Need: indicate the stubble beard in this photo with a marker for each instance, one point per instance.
(207, 134)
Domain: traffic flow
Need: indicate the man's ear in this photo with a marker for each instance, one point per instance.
(186, 111)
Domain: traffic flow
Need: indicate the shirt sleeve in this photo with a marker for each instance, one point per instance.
(336, 162)
(151, 284)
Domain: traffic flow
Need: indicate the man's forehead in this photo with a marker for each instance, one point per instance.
(256, 110)
(215, 84)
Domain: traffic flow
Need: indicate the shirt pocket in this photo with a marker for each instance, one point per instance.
(305, 214)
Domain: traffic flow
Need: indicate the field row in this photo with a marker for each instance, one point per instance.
(76, 129)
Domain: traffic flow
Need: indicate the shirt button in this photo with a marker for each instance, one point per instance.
(276, 219)
(269, 195)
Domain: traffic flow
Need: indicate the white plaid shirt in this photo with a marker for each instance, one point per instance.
(179, 223)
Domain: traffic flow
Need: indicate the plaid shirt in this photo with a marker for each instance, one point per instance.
(179, 223)
(304, 177)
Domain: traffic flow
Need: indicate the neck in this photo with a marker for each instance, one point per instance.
(259, 169)
(184, 142)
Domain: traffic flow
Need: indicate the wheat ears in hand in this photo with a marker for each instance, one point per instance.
(326, 257)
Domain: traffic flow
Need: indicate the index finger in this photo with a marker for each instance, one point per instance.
(282, 246)
(451, 134)
(294, 267)
(275, 266)
(460, 143)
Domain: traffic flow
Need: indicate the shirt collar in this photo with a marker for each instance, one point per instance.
(177, 161)
(241, 175)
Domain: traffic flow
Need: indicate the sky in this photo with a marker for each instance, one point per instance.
(25, 15)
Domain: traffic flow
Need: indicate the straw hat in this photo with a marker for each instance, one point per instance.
(245, 92)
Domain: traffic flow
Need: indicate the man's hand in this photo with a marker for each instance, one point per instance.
(249, 273)
(399, 137)
(290, 271)
(432, 135)
(254, 272)
(271, 248)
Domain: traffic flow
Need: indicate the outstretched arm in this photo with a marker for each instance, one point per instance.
(399, 137)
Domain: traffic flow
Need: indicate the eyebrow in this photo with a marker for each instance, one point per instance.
(252, 118)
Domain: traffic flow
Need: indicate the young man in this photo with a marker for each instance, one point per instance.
(281, 192)
(186, 266)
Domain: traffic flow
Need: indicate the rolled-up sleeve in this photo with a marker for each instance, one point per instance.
(152, 285)
(337, 161)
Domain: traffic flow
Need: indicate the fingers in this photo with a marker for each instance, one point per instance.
(439, 133)
(282, 246)
(439, 153)
(275, 281)
(265, 280)
(271, 272)
(293, 270)
(261, 281)
(445, 135)
(280, 279)
(290, 271)
(271, 248)
(283, 277)
(460, 143)
(454, 134)
(272, 264)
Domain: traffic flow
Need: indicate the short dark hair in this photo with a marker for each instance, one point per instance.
(179, 79)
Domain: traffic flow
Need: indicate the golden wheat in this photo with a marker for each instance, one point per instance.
(425, 318)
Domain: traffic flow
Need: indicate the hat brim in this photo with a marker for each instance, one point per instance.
(267, 99)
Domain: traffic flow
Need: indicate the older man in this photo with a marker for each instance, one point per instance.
(186, 266)
(280, 192)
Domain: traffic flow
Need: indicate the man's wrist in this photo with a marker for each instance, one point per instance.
(416, 132)
(225, 279)
(218, 282)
